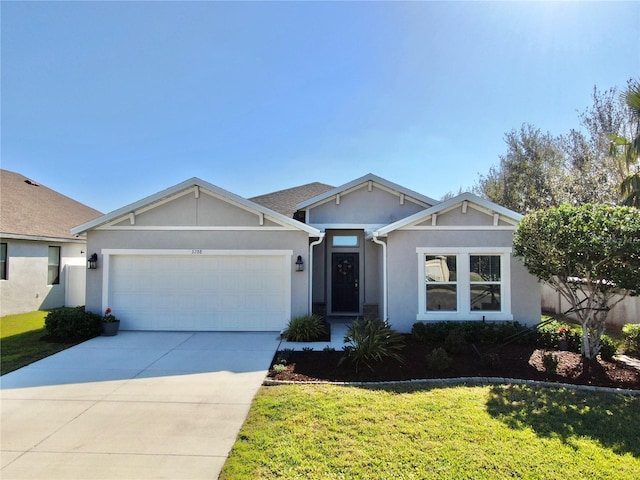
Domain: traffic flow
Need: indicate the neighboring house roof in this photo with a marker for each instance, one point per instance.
(362, 180)
(195, 182)
(285, 201)
(489, 207)
(32, 211)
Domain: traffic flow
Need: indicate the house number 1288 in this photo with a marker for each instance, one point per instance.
(197, 251)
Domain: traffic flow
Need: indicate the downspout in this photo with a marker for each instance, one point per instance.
(311, 245)
(375, 239)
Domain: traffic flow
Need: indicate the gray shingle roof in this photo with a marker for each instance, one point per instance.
(285, 201)
(28, 208)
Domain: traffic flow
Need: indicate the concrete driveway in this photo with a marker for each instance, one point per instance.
(139, 405)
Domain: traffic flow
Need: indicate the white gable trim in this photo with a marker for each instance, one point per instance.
(196, 186)
(196, 228)
(369, 181)
(465, 200)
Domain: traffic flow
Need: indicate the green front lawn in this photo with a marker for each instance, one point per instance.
(22, 343)
(333, 432)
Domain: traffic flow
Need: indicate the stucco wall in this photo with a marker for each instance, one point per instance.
(206, 240)
(404, 282)
(26, 289)
(363, 207)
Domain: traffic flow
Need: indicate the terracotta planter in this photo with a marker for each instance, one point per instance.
(109, 329)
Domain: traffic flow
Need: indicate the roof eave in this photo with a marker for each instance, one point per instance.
(417, 217)
(192, 182)
(359, 181)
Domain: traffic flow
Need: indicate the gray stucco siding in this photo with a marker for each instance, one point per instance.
(456, 218)
(186, 210)
(363, 207)
(404, 282)
(26, 288)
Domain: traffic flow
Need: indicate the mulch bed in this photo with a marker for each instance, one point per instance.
(513, 361)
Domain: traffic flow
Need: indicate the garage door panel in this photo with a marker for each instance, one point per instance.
(200, 293)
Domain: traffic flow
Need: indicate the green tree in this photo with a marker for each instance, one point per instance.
(626, 149)
(530, 175)
(587, 253)
(540, 170)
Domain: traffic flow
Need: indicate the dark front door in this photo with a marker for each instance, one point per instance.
(345, 297)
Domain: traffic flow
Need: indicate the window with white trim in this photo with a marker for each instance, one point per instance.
(485, 285)
(464, 284)
(441, 285)
(53, 268)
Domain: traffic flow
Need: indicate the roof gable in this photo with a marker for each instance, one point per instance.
(32, 210)
(178, 196)
(367, 181)
(498, 215)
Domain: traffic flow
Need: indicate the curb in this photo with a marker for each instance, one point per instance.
(462, 381)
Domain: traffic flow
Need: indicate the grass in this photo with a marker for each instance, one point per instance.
(21, 341)
(333, 432)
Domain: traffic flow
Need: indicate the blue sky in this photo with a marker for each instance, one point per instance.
(108, 102)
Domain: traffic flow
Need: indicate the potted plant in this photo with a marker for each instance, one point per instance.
(110, 324)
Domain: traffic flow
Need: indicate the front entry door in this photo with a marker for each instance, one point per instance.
(345, 295)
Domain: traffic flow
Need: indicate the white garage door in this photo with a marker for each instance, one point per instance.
(200, 293)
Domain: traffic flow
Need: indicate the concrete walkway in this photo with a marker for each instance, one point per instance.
(139, 405)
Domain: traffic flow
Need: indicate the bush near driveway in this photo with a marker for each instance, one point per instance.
(412, 432)
(73, 323)
(308, 328)
(23, 340)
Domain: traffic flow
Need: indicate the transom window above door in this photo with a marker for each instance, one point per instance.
(345, 241)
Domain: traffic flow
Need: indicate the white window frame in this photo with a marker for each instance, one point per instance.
(464, 312)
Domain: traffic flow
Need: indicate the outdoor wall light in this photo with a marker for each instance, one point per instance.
(92, 262)
(299, 264)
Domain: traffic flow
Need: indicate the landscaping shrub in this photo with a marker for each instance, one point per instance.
(279, 367)
(631, 333)
(439, 360)
(490, 360)
(455, 342)
(370, 341)
(419, 332)
(73, 323)
(608, 348)
(550, 335)
(550, 362)
(483, 333)
(307, 328)
(282, 356)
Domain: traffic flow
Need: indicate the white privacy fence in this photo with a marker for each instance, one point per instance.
(627, 311)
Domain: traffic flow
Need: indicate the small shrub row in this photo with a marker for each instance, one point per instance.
(73, 323)
(483, 333)
(631, 334)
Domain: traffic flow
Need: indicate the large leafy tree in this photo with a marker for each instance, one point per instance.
(530, 175)
(626, 150)
(588, 253)
(540, 170)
